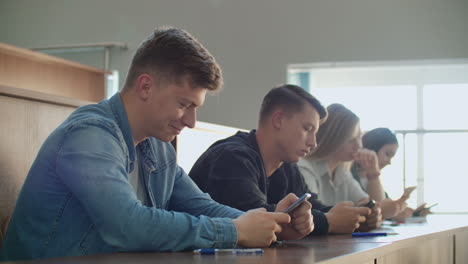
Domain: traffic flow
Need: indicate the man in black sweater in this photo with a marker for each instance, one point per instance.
(257, 169)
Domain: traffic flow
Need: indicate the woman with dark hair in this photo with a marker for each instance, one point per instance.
(385, 144)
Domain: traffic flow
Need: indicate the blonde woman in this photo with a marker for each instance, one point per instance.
(327, 169)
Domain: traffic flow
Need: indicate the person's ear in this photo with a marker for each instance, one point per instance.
(144, 86)
(277, 119)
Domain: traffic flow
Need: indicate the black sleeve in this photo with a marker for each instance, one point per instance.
(317, 205)
(233, 178)
(320, 223)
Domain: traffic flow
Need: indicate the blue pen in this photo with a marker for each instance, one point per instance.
(367, 234)
(212, 251)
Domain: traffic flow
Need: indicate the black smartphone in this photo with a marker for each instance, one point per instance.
(370, 204)
(293, 206)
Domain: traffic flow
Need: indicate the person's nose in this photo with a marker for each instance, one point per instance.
(189, 118)
(357, 145)
(311, 141)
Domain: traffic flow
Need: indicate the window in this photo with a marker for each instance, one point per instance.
(423, 102)
(191, 143)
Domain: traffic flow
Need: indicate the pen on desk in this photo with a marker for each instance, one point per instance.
(212, 251)
(370, 234)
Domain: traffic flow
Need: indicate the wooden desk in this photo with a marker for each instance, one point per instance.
(443, 239)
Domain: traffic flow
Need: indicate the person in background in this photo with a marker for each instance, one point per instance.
(326, 170)
(106, 179)
(257, 169)
(385, 144)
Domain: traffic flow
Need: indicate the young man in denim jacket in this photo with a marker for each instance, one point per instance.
(107, 180)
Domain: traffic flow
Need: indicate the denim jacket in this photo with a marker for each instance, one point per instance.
(77, 200)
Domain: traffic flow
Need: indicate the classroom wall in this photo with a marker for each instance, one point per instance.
(253, 40)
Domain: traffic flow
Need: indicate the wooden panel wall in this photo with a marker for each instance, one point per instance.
(436, 250)
(461, 246)
(25, 124)
(26, 69)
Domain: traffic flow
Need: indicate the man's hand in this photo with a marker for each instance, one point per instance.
(257, 228)
(344, 217)
(373, 221)
(301, 218)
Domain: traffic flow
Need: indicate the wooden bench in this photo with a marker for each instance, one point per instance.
(37, 93)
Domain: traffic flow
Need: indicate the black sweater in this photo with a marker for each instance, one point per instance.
(232, 172)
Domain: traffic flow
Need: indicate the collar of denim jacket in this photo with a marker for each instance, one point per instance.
(121, 118)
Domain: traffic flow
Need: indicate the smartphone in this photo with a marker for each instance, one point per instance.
(422, 207)
(370, 204)
(293, 206)
(429, 207)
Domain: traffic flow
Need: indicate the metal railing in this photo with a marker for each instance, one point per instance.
(84, 47)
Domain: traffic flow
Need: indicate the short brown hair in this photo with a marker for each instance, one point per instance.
(335, 131)
(291, 98)
(174, 53)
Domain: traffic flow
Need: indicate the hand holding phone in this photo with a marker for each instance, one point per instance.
(429, 207)
(407, 193)
(370, 204)
(293, 206)
(423, 210)
(424, 207)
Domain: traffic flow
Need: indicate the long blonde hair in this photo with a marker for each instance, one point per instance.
(338, 127)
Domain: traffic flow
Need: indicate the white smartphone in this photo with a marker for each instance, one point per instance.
(293, 206)
(429, 207)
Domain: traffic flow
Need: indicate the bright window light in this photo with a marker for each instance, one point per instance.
(423, 102)
(445, 106)
(378, 106)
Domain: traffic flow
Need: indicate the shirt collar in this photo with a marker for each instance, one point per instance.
(253, 140)
(321, 167)
(121, 118)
